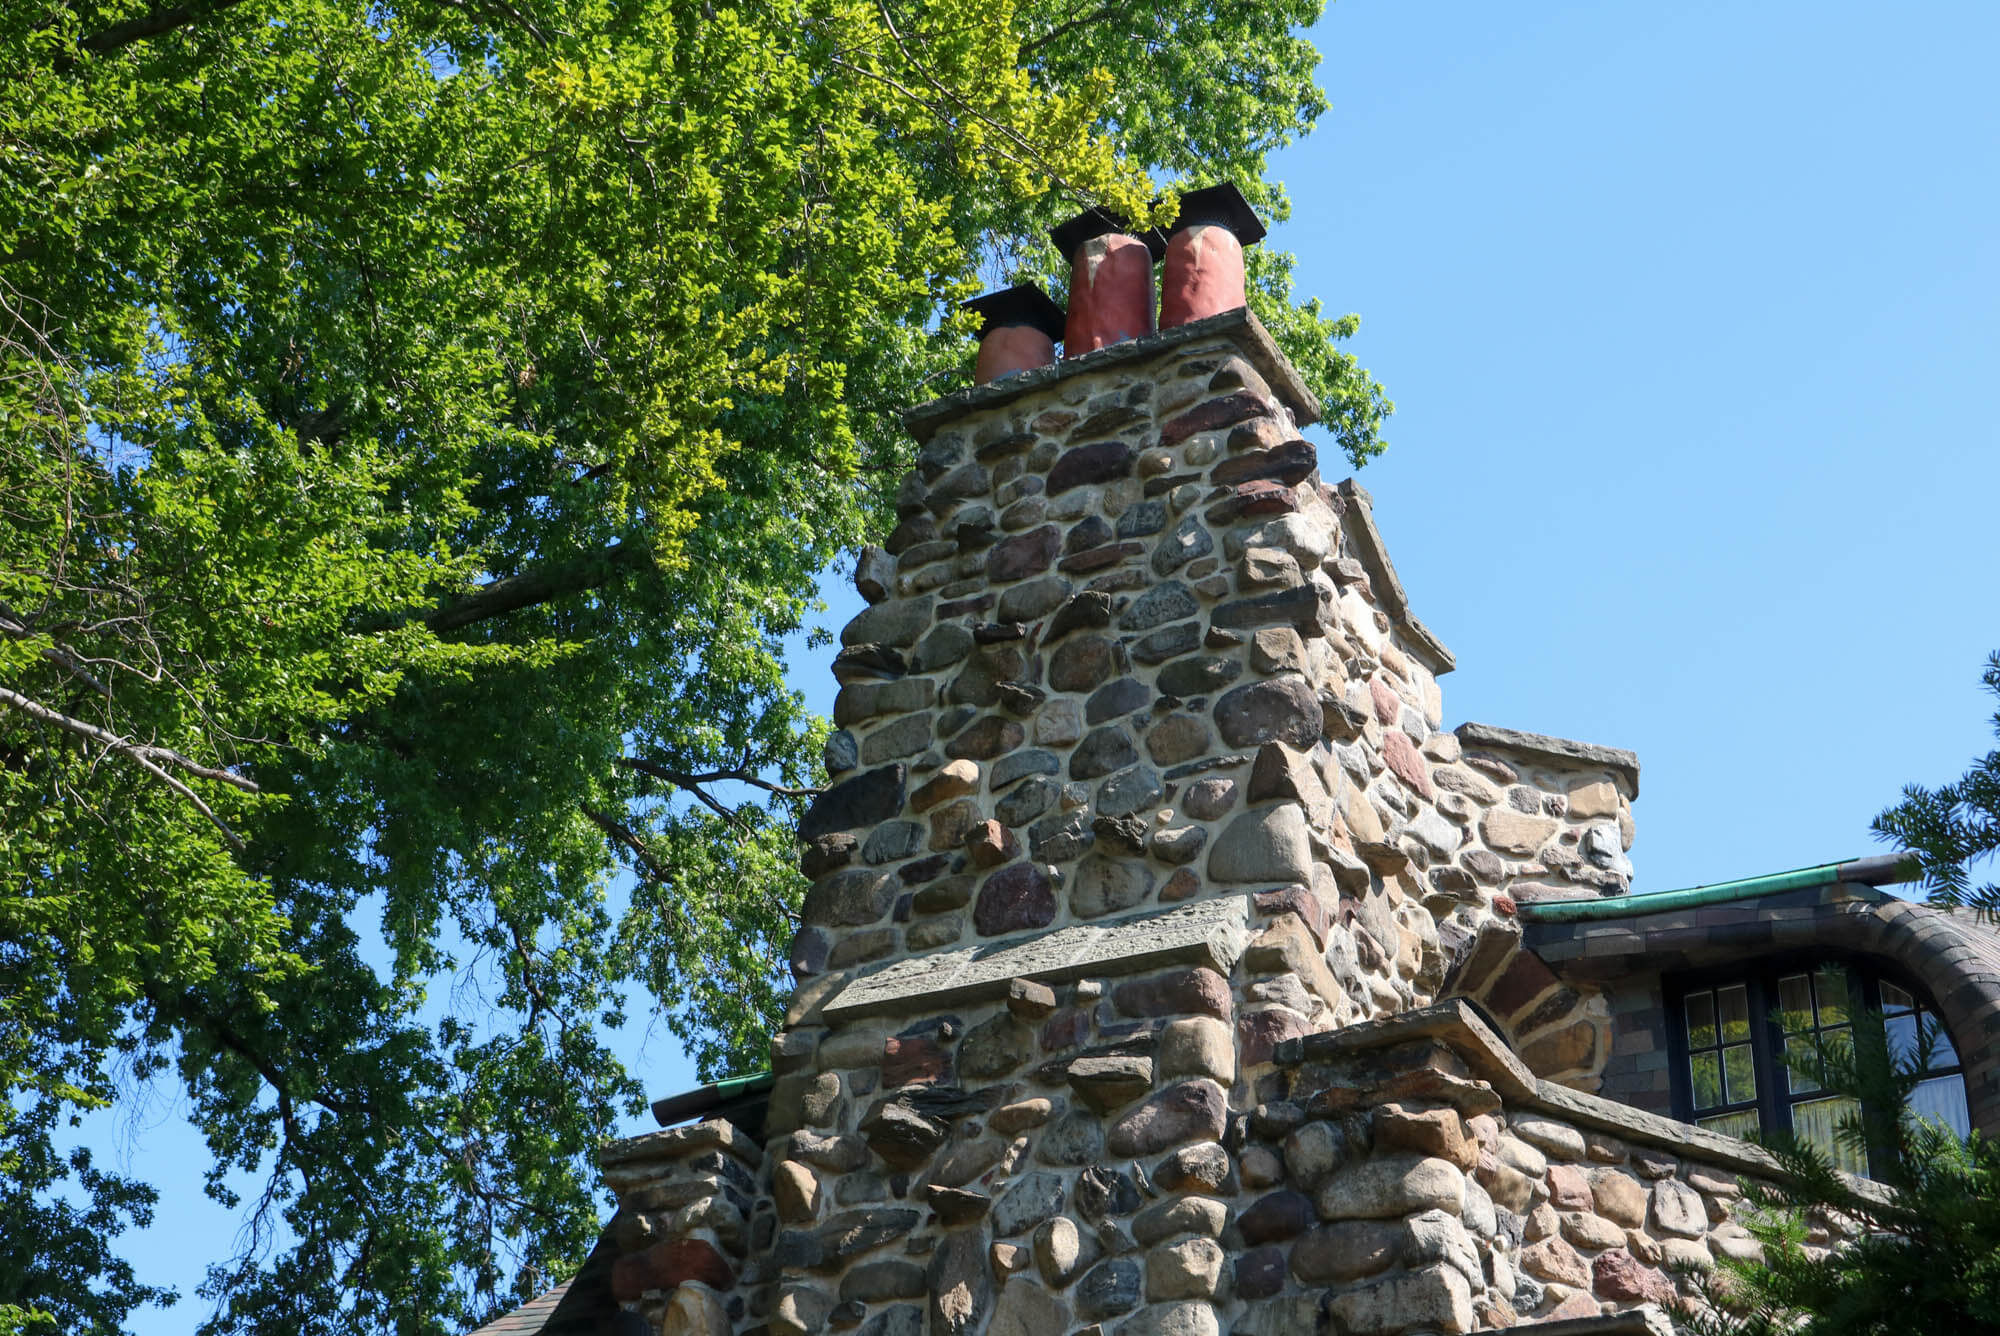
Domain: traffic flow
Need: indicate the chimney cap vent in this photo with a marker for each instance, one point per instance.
(1022, 304)
(1224, 206)
(1095, 222)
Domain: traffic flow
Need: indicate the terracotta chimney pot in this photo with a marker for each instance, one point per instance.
(1205, 255)
(1111, 280)
(1018, 331)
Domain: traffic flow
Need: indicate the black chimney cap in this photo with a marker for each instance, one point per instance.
(1095, 222)
(1223, 205)
(1022, 304)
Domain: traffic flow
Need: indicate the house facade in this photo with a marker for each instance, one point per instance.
(1170, 968)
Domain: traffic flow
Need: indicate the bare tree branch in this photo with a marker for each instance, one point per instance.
(540, 585)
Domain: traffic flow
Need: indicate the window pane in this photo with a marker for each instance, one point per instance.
(1707, 1072)
(1831, 985)
(1701, 1020)
(1942, 1100)
(1895, 999)
(1740, 1124)
(1817, 1120)
(1800, 1049)
(1902, 1037)
(1741, 1071)
(1942, 1053)
(1795, 1001)
(1733, 1005)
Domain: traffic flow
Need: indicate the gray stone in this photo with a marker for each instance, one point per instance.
(1027, 1309)
(1032, 599)
(1204, 1216)
(1392, 1185)
(1178, 845)
(1187, 541)
(1028, 801)
(1102, 751)
(1031, 1199)
(1116, 698)
(852, 898)
(1278, 709)
(1203, 1167)
(1198, 676)
(1146, 517)
(1018, 765)
(1677, 1209)
(944, 646)
(1107, 885)
(1060, 836)
(1434, 1299)
(898, 622)
(1083, 663)
(890, 1278)
(842, 753)
(1207, 799)
(870, 797)
(893, 841)
(1109, 1083)
(1134, 789)
(995, 1047)
(1059, 1253)
(1191, 1269)
(1167, 642)
(1086, 611)
(1108, 1289)
(1168, 602)
(961, 1285)
(1271, 844)
(1173, 1319)
(1076, 1138)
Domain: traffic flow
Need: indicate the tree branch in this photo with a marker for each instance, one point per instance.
(540, 585)
(156, 24)
(147, 758)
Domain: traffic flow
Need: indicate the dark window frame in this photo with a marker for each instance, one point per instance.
(1760, 975)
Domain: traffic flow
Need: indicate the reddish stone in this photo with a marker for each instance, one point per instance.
(1577, 1305)
(1204, 274)
(1504, 903)
(1216, 414)
(1569, 1189)
(1553, 1259)
(1054, 422)
(1097, 558)
(1525, 979)
(1065, 1029)
(1024, 554)
(985, 739)
(1016, 897)
(1619, 1275)
(1198, 992)
(1279, 1216)
(1187, 1111)
(1180, 886)
(665, 1265)
(1401, 755)
(992, 844)
(1110, 293)
(1259, 1033)
(1260, 1273)
(1297, 900)
(1087, 464)
(916, 1060)
(1290, 463)
(1250, 499)
(1388, 706)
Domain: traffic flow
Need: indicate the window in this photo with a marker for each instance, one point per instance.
(1732, 1035)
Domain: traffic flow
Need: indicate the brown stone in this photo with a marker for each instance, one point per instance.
(1553, 1259)
(1288, 462)
(1207, 799)
(913, 1060)
(1259, 1033)
(1181, 886)
(1087, 464)
(992, 844)
(1618, 1196)
(953, 779)
(1620, 1276)
(1198, 991)
(953, 824)
(1277, 649)
(1513, 832)
(1338, 1253)
(1214, 415)
(1084, 663)
(1102, 751)
(1023, 555)
(1569, 1190)
(666, 1265)
(1402, 757)
(983, 739)
(1570, 1048)
(1439, 1132)
(1018, 896)
(1186, 1111)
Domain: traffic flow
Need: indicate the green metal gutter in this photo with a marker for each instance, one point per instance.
(1884, 870)
(675, 1108)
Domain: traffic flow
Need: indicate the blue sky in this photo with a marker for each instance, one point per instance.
(1690, 314)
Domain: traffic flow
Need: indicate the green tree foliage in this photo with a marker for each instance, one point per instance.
(420, 424)
(1954, 826)
(1922, 1246)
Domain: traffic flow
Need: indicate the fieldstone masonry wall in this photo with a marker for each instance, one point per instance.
(1141, 802)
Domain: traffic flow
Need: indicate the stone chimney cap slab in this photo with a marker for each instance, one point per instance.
(1563, 752)
(1096, 222)
(1022, 304)
(1223, 205)
(1208, 932)
(1240, 326)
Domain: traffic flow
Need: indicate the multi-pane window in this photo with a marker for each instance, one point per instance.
(1747, 1046)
